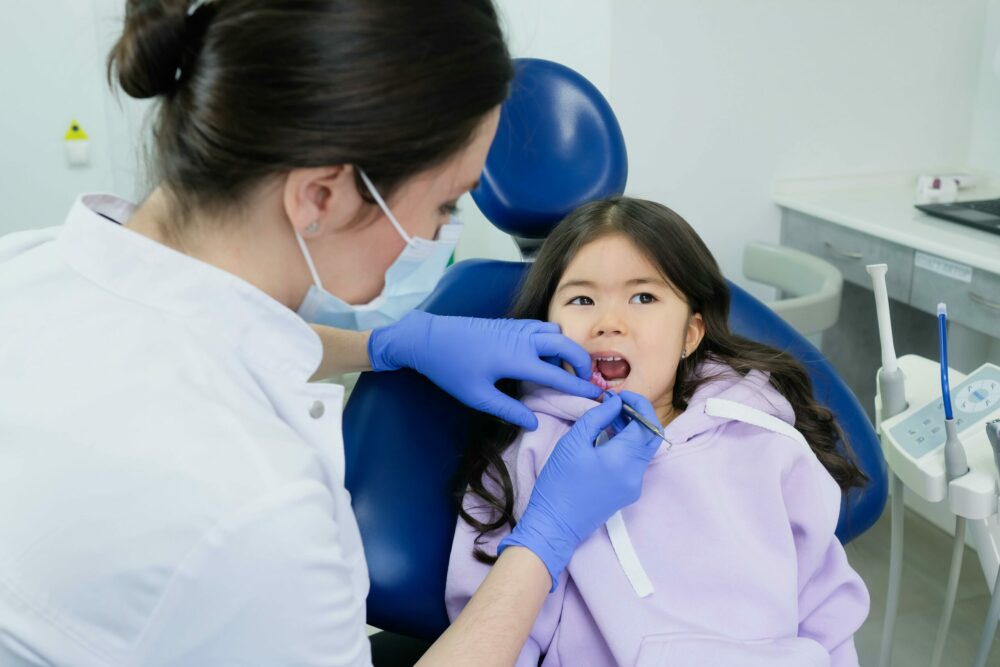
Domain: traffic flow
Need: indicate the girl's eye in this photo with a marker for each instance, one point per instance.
(644, 297)
(581, 301)
(451, 208)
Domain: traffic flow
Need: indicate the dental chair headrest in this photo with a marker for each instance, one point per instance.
(558, 146)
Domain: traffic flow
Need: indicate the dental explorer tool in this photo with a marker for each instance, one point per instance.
(892, 393)
(956, 465)
(645, 423)
(993, 615)
(651, 427)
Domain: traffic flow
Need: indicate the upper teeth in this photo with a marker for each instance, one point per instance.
(608, 358)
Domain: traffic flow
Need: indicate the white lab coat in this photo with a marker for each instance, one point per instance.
(171, 485)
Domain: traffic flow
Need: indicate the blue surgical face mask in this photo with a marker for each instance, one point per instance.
(408, 281)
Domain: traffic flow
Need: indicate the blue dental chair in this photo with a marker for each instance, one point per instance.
(558, 146)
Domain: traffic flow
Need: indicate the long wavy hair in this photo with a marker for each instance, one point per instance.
(682, 257)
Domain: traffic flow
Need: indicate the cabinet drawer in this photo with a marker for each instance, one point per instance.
(975, 304)
(850, 251)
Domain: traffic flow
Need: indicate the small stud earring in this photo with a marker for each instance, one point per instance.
(684, 353)
(312, 228)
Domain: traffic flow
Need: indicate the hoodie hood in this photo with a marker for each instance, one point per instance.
(718, 381)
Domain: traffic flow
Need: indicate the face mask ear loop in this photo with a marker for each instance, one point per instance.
(309, 261)
(385, 207)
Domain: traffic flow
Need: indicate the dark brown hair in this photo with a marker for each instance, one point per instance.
(252, 88)
(687, 264)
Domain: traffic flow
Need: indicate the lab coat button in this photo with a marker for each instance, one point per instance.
(317, 410)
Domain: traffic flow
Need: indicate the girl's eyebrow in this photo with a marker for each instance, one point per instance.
(575, 283)
(646, 281)
(628, 283)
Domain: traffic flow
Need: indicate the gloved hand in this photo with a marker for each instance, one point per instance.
(581, 485)
(466, 356)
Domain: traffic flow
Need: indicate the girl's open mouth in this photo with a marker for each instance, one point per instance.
(609, 370)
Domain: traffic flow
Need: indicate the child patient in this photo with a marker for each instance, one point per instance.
(729, 557)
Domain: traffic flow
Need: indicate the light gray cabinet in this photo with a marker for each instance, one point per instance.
(975, 304)
(850, 251)
(972, 295)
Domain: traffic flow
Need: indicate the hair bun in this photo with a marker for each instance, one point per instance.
(151, 48)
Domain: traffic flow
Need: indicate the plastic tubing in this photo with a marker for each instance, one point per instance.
(896, 508)
(990, 629)
(955, 571)
(892, 390)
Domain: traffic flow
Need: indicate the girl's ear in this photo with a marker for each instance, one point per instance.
(695, 332)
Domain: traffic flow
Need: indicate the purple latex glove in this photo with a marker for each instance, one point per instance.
(466, 356)
(581, 485)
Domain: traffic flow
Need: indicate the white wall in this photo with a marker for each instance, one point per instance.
(984, 150)
(54, 71)
(716, 98)
(48, 78)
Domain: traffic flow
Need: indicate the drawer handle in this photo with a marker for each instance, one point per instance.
(975, 298)
(843, 254)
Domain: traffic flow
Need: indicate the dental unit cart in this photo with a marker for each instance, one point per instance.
(920, 406)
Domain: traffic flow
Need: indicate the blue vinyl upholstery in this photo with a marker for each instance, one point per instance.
(558, 146)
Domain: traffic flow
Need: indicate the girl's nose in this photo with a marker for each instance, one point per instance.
(610, 323)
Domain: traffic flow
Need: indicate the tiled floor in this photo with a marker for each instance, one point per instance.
(926, 558)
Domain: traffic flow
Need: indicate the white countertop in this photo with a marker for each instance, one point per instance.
(882, 205)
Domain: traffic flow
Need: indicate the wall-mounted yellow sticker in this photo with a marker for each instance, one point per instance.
(77, 145)
(75, 133)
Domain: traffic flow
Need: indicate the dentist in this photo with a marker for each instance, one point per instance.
(171, 482)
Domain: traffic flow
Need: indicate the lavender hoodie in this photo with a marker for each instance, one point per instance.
(735, 530)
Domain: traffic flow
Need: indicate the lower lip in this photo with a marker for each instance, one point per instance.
(615, 384)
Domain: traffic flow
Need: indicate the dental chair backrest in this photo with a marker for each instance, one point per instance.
(558, 146)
